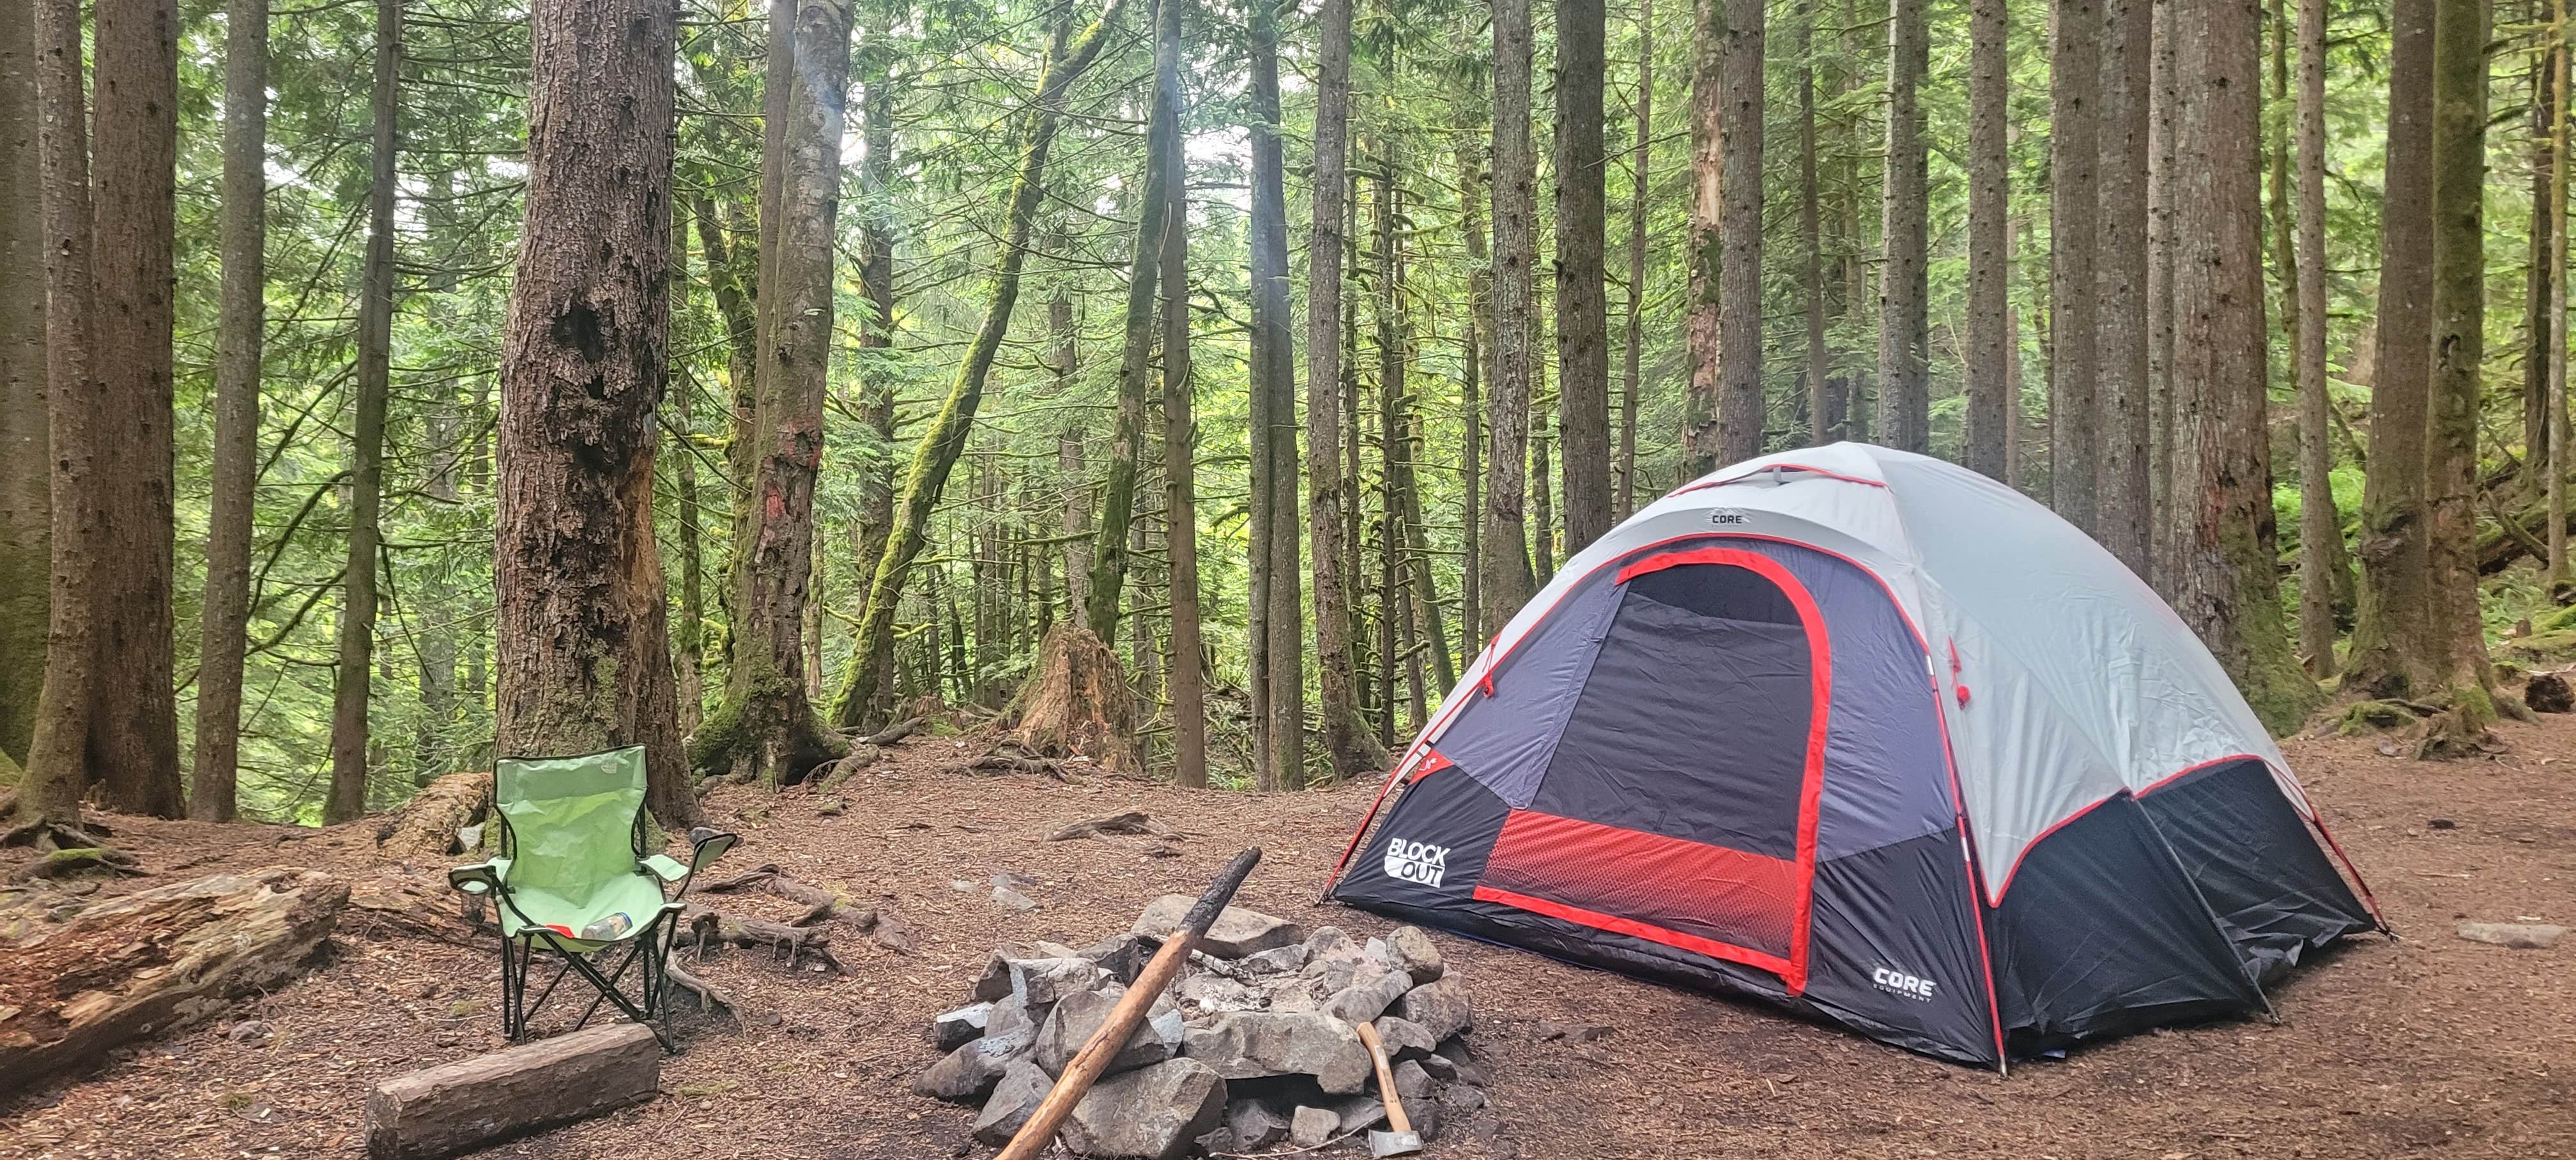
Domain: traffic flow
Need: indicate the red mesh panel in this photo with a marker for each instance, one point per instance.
(1746, 900)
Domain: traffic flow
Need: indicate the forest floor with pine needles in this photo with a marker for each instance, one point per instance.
(2427, 1046)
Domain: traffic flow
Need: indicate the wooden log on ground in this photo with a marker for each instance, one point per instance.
(147, 962)
(458, 1107)
(426, 826)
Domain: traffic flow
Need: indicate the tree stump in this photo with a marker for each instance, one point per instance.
(457, 1107)
(148, 962)
(1079, 704)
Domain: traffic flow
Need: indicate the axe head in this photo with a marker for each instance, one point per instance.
(1385, 1144)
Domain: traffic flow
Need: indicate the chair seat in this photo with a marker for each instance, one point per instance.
(638, 896)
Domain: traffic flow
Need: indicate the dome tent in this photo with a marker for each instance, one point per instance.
(1876, 738)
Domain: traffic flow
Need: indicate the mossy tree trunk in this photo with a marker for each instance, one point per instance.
(26, 515)
(353, 680)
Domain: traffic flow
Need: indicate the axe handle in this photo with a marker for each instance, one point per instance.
(1395, 1117)
(1085, 1067)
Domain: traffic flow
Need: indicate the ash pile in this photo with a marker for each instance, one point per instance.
(1253, 1049)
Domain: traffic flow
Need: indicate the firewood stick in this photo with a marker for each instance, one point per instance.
(1088, 1064)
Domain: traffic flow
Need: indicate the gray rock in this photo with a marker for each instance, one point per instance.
(1458, 1099)
(1040, 982)
(1252, 1044)
(1077, 1017)
(995, 981)
(1013, 900)
(1404, 1039)
(1409, 950)
(969, 1073)
(1291, 993)
(1276, 959)
(1461, 1064)
(1122, 955)
(1439, 1006)
(1358, 1112)
(1235, 933)
(1011, 1016)
(1411, 1082)
(1310, 1127)
(1368, 996)
(1254, 1125)
(1330, 945)
(1426, 1116)
(1021, 1089)
(2525, 936)
(1213, 994)
(1152, 1113)
(962, 1026)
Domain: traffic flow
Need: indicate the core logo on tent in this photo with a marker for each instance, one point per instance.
(1728, 517)
(1420, 863)
(1898, 982)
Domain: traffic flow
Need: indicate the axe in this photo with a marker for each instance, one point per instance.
(1403, 1141)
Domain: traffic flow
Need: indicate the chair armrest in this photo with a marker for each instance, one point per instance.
(484, 877)
(707, 845)
(665, 867)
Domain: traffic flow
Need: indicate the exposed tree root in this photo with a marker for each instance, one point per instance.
(823, 905)
(710, 999)
(893, 733)
(1012, 757)
(54, 836)
(1115, 828)
(73, 861)
(709, 927)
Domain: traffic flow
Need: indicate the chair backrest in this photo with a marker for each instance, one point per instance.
(571, 824)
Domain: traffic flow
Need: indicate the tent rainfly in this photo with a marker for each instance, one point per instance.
(1877, 739)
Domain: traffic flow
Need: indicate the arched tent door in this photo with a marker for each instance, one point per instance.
(1680, 802)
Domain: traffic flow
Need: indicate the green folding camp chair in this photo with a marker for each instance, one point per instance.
(573, 877)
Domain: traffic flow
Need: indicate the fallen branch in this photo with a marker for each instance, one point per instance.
(892, 733)
(822, 905)
(710, 1000)
(795, 942)
(1130, 823)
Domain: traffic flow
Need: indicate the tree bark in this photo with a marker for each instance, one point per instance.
(56, 769)
(1702, 449)
(349, 733)
(1741, 413)
(1346, 741)
(2456, 637)
(579, 630)
(2536, 325)
(1582, 306)
(864, 692)
(2226, 586)
(1471, 225)
(2556, 421)
(1992, 397)
(877, 228)
(1276, 385)
(1187, 683)
(134, 728)
(1135, 372)
(1507, 582)
(766, 727)
(1904, 338)
(2388, 656)
(2120, 285)
(226, 618)
(2074, 155)
(26, 511)
(2162, 517)
(2320, 529)
(1640, 167)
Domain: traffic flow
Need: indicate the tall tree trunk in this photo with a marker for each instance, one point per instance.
(2388, 655)
(1993, 399)
(2074, 153)
(2456, 637)
(1705, 240)
(226, 618)
(2164, 517)
(1507, 582)
(1823, 426)
(1346, 741)
(1075, 524)
(1275, 371)
(2319, 527)
(1394, 619)
(2121, 406)
(58, 750)
(1542, 517)
(1180, 433)
(2227, 586)
(26, 511)
(2556, 422)
(349, 732)
(1582, 307)
(766, 726)
(1135, 371)
(864, 691)
(1471, 517)
(134, 727)
(1740, 409)
(1904, 337)
(876, 284)
(1640, 167)
(579, 628)
(688, 636)
(2537, 327)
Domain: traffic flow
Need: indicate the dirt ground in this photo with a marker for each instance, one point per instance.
(2429, 1046)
